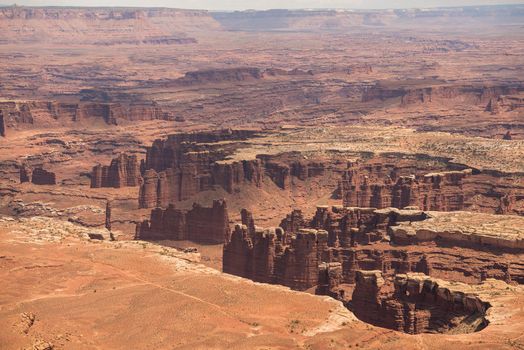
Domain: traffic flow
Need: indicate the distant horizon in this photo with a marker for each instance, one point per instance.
(237, 5)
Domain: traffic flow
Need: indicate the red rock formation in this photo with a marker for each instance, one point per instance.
(122, 172)
(179, 167)
(200, 224)
(266, 257)
(25, 174)
(381, 187)
(414, 92)
(363, 239)
(416, 303)
(2, 124)
(221, 75)
(43, 177)
(45, 113)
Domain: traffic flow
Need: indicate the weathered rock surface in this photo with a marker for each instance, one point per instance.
(43, 177)
(2, 124)
(416, 303)
(457, 246)
(49, 113)
(267, 257)
(124, 171)
(199, 224)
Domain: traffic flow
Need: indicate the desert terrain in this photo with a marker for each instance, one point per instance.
(281, 179)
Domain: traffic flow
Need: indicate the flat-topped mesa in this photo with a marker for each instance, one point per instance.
(179, 167)
(465, 229)
(221, 75)
(43, 177)
(369, 239)
(45, 113)
(416, 303)
(124, 171)
(199, 224)
(372, 187)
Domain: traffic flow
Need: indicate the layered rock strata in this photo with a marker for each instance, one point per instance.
(457, 246)
(435, 191)
(43, 177)
(181, 166)
(266, 257)
(124, 171)
(199, 224)
(43, 113)
(416, 303)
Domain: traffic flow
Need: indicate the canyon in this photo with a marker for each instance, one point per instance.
(283, 179)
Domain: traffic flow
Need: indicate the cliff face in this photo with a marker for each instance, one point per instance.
(200, 224)
(44, 113)
(122, 172)
(2, 124)
(417, 93)
(416, 303)
(265, 256)
(43, 177)
(383, 185)
(389, 240)
(180, 167)
(150, 26)
(379, 187)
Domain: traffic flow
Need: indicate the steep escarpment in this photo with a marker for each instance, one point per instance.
(199, 224)
(123, 171)
(271, 257)
(379, 184)
(416, 303)
(186, 164)
(420, 92)
(118, 26)
(458, 246)
(55, 113)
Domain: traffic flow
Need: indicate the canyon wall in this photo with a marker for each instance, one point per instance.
(199, 224)
(389, 240)
(416, 303)
(45, 113)
(379, 184)
(122, 172)
(43, 177)
(415, 92)
(266, 256)
(180, 167)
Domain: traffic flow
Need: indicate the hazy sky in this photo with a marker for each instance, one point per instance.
(265, 4)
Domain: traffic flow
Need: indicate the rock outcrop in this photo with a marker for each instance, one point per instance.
(266, 257)
(45, 113)
(124, 171)
(390, 240)
(2, 124)
(418, 92)
(181, 166)
(199, 224)
(416, 303)
(43, 177)
(25, 174)
(379, 187)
